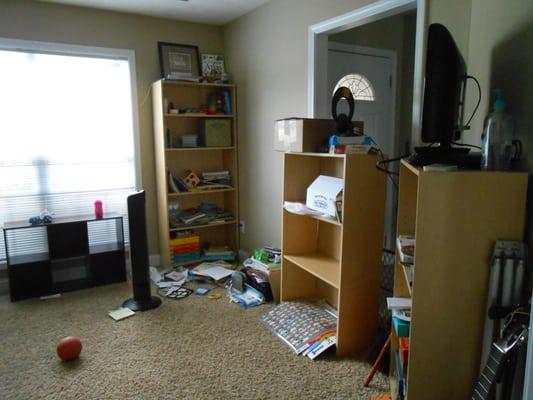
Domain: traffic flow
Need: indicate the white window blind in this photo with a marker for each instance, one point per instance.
(66, 138)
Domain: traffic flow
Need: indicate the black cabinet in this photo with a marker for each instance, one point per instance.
(80, 252)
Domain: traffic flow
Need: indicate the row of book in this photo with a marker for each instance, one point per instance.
(197, 216)
(185, 249)
(401, 321)
(208, 181)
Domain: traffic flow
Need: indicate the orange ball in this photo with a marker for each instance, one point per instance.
(69, 348)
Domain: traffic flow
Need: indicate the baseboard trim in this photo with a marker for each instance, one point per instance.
(155, 260)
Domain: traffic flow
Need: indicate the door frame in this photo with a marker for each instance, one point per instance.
(317, 61)
(375, 52)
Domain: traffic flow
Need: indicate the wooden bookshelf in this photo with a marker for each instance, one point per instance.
(338, 262)
(456, 217)
(197, 159)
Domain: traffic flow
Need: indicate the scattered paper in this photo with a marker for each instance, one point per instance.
(213, 270)
(155, 276)
(51, 296)
(121, 313)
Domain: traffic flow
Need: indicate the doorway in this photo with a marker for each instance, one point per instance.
(376, 52)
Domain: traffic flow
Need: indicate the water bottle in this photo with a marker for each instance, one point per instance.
(497, 138)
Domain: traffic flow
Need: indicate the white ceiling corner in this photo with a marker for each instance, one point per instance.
(215, 12)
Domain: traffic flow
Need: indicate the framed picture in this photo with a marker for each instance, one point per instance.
(179, 61)
(213, 65)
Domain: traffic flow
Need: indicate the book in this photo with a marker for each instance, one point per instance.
(121, 313)
(185, 240)
(191, 215)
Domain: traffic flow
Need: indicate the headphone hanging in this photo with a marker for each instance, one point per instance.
(343, 123)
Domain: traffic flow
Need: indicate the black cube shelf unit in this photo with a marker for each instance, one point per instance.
(74, 258)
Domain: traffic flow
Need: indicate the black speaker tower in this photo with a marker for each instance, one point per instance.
(142, 299)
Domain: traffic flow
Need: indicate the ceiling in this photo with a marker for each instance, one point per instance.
(215, 12)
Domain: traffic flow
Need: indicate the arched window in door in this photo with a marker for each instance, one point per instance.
(359, 85)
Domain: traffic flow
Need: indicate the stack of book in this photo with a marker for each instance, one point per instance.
(189, 141)
(185, 249)
(215, 180)
(216, 253)
(205, 213)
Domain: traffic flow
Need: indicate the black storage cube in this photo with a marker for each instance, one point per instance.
(68, 240)
(29, 280)
(107, 267)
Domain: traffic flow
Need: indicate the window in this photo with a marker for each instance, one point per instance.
(66, 133)
(359, 85)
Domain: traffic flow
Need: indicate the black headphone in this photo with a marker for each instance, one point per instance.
(344, 125)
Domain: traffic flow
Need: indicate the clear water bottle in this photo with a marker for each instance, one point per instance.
(497, 138)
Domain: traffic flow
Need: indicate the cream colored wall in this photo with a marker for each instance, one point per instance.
(501, 56)
(23, 19)
(266, 52)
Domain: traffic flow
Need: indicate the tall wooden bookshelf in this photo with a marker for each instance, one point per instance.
(456, 217)
(178, 160)
(338, 262)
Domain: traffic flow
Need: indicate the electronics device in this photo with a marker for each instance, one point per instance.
(142, 299)
(343, 122)
(443, 105)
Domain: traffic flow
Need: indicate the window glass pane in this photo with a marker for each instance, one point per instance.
(359, 85)
(66, 135)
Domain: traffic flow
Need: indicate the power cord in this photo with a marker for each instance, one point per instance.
(467, 125)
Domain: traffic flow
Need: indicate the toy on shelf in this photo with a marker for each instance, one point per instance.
(45, 217)
(219, 103)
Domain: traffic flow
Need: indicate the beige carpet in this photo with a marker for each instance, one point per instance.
(192, 349)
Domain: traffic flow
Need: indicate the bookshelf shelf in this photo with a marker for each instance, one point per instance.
(198, 115)
(188, 227)
(324, 259)
(180, 149)
(179, 161)
(199, 193)
(323, 267)
(455, 217)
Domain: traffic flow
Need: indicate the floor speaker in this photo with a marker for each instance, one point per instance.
(142, 299)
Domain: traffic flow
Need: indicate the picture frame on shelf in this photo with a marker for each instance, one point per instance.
(213, 66)
(179, 61)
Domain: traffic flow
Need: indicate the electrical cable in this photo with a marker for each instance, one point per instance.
(467, 125)
(467, 145)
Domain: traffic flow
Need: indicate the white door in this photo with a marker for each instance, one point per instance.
(369, 73)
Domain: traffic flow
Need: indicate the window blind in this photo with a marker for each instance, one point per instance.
(66, 139)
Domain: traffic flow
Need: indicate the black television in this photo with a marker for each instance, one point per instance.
(444, 92)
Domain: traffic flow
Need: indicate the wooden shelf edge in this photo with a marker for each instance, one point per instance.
(406, 277)
(323, 267)
(186, 228)
(179, 149)
(200, 192)
(198, 115)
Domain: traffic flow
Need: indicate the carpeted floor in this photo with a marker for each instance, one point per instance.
(194, 348)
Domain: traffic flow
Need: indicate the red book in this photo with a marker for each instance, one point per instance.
(185, 248)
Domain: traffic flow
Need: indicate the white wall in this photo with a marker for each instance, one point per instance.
(267, 55)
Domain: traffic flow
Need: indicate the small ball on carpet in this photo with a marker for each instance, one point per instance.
(69, 348)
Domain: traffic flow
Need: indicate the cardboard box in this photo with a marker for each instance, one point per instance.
(323, 194)
(275, 282)
(301, 135)
(216, 132)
